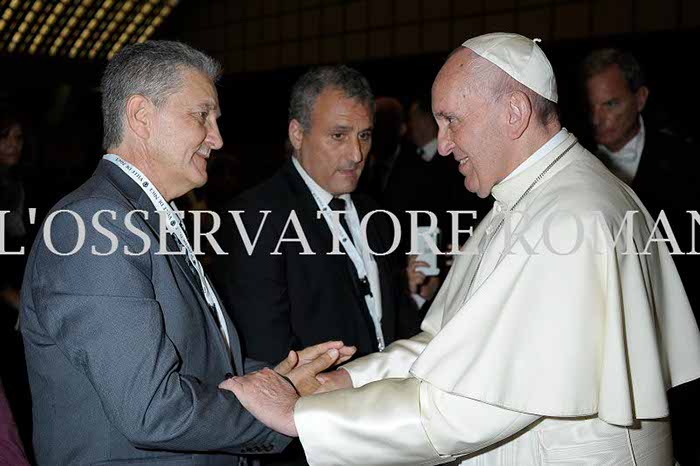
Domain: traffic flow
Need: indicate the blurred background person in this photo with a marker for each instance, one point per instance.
(421, 180)
(12, 200)
(662, 168)
(15, 232)
(387, 144)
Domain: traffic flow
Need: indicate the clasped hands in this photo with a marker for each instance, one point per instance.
(271, 399)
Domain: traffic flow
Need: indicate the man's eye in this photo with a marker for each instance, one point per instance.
(337, 136)
(365, 136)
(611, 103)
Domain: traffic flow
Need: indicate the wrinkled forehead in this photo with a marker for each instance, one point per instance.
(455, 76)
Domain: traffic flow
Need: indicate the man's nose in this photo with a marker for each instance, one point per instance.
(597, 116)
(445, 144)
(357, 154)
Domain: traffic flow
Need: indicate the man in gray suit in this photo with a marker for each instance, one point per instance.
(126, 343)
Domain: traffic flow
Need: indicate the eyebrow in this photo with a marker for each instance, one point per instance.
(341, 128)
(211, 106)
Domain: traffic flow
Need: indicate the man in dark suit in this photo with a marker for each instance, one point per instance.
(126, 342)
(286, 294)
(662, 169)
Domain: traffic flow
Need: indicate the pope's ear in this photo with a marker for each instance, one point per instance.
(519, 112)
(296, 134)
(140, 114)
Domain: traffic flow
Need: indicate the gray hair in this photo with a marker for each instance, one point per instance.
(598, 60)
(152, 69)
(495, 83)
(310, 85)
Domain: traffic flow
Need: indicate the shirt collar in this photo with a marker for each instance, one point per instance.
(510, 189)
(323, 195)
(539, 153)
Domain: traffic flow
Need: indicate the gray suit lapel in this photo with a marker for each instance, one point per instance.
(140, 201)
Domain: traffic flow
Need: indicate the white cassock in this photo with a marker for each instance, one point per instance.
(561, 354)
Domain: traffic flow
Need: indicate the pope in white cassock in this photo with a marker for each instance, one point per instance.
(558, 330)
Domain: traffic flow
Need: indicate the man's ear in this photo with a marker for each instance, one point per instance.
(296, 134)
(140, 113)
(519, 112)
(641, 96)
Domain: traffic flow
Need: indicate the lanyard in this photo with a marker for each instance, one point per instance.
(357, 261)
(175, 227)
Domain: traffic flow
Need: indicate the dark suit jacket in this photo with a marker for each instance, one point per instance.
(124, 355)
(667, 179)
(290, 301)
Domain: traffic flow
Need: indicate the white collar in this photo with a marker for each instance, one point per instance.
(508, 191)
(553, 142)
(314, 187)
(429, 150)
(625, 162)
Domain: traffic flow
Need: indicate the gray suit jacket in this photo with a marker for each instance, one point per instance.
(124, 355)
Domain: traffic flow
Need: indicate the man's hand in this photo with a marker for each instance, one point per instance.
(335, 380)
(268, 397)
(309, 354)
(415, 278)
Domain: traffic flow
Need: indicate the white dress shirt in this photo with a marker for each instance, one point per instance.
(374, 301)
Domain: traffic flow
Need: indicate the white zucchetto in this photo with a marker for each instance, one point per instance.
(521, 58)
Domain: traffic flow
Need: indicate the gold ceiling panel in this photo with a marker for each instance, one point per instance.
(87, 29)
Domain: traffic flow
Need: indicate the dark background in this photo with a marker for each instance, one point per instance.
(59, 97)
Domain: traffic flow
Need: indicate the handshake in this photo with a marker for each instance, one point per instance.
(270, 395)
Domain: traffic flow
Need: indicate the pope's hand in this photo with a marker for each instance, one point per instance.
(335, 380)
(304, 375)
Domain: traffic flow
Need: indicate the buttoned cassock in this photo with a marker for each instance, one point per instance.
(560, 351)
